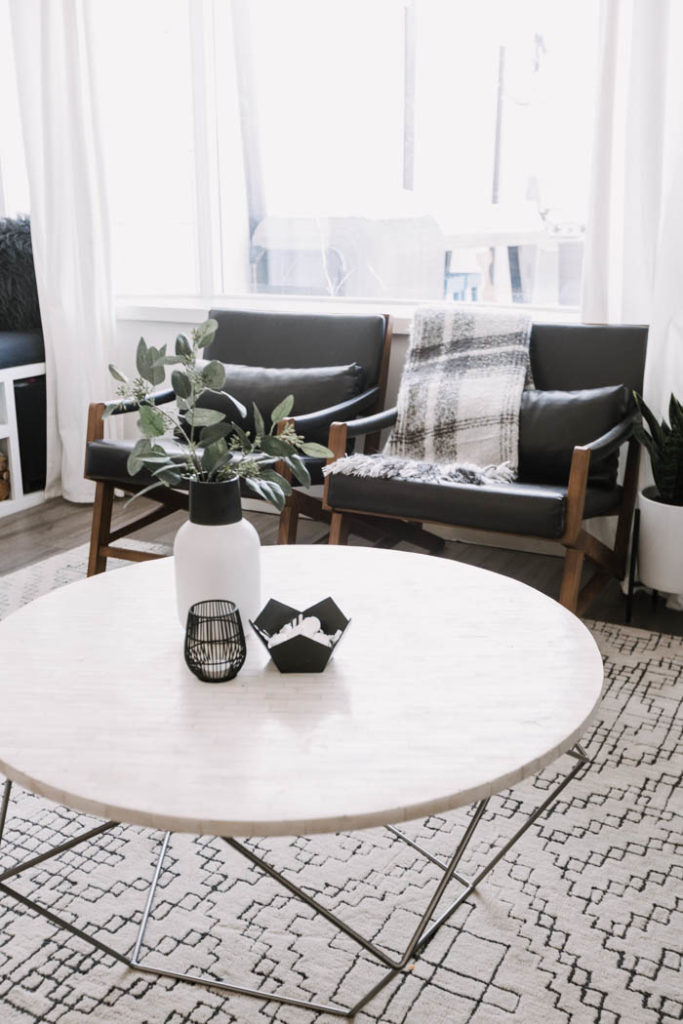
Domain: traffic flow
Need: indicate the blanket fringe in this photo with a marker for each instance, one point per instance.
(395, 467)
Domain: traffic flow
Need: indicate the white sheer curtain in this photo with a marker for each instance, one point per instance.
(633, 265)
(69, 223)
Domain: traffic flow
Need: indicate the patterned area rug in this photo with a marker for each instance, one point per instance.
(580, 923)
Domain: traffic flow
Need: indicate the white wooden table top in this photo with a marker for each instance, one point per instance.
(450, 684)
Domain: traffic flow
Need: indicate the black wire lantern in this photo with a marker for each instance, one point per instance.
(215, 647)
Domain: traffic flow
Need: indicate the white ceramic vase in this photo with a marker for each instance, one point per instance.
(217, 553)
(660, 544)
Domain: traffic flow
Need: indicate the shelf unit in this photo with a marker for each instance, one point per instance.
(9, 438)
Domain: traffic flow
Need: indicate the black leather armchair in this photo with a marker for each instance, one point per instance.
(571, 430)
(336, 366)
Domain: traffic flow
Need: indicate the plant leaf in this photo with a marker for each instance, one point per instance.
(181, 384)
(316, 451)
(204, 417)
(273, 445)
(225, 460)
(276, 478)
(213, 455)
(267, 490)
(281, 411)
(299, 469)
(259, 425)
(213, 375)
(243, 436)
(204, 333)
(655, 429)
(141, 448)
(151, 422)
(215, 432)
(117, 374)
(183, 346)
(142, 358)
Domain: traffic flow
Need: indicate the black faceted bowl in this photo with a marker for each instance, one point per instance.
(300, 653)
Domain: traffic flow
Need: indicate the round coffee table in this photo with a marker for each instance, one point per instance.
(450, 684)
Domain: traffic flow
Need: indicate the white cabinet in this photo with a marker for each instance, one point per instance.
(9, 438)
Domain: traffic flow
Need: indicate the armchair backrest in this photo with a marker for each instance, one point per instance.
(567, 357)
(255, 338)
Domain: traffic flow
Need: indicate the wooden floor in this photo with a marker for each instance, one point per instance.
(58, 525)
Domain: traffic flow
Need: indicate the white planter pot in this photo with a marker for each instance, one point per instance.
(660, 544)
(217, 554)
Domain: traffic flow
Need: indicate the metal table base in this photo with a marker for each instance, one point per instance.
(422, 935)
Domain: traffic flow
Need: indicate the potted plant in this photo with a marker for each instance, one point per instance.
(216, 551)
(660, 544)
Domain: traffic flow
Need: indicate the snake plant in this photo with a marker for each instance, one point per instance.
(664, 443)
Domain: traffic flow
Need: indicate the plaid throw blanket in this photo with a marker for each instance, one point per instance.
(458, 402)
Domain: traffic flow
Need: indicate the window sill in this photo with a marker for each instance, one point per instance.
(194, 309)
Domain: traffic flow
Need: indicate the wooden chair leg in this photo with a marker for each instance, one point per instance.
(101, 527)
(339, 529)
(289, 522)
(571, 579)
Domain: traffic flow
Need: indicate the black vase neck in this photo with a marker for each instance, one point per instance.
(215, 504)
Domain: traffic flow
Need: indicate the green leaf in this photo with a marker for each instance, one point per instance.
(281, 411)
(204, 417)
(276, 478)
(141, 358)
(274, 446)
(151, 422)
(655, 429)
(259, 425)
(215, 432)
(299, 469)
(183, 346)
(643, 438)
(168, 476)
(204, 334)
(213, 375)
(117, 374)
(213, 454)
(181, 384)
(316, 451)
(676, 415)
(149, 362)
(267, 490)
(244, 437)
(135, 462)
(226, 460)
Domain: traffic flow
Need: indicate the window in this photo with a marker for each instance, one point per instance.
(399, 149)
(144, 81)
(420, 150)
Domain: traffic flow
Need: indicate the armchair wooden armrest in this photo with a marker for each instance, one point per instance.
(611, 561)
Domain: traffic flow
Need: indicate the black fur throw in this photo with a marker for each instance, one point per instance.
(19, 309)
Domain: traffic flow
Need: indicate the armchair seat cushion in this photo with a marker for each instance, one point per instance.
(531, 509)
(106, 460)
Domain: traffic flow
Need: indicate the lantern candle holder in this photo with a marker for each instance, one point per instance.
(215, 647)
